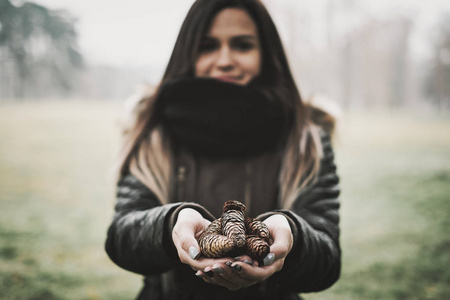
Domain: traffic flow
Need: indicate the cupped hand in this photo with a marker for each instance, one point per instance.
(243, 272)
(190, 224)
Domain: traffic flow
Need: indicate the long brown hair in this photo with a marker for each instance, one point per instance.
(146, 151)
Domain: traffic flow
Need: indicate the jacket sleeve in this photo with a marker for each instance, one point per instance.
(139, 238)
(314, 262)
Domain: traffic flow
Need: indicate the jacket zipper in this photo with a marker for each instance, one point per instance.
(248, 186)
(181, 177)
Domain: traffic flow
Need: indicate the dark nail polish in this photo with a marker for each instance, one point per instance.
(248, 262)
(237, 268)
(210, 273)
(228, 263)
(219, 270)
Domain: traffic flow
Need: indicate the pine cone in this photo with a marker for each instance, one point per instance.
(226, 236)
(257, 248)
(212, 242)
(233, 205)
(233, 222)
(213, 245)
(215, 227)
(258, 228)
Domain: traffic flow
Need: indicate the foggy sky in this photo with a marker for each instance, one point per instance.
(142, 33)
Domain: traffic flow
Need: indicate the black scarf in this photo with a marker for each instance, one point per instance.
(219, 118)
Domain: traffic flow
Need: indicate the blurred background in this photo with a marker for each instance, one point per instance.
(67, 68)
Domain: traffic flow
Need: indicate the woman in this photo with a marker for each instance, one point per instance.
(227, 122)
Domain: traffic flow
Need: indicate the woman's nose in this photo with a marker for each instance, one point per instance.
(225, 59)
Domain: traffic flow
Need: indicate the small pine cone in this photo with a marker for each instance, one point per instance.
(257, 248)
(213, 245)
(215, 227)
(233, 205)
(233, 222)
(258, 228)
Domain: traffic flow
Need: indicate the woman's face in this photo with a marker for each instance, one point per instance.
(231, 50)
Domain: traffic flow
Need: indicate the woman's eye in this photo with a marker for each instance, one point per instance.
(207, 46)
(244, 46)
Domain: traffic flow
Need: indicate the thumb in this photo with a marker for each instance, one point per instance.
(185, 242)
(189, 225)
(194, 252)
(282, 239)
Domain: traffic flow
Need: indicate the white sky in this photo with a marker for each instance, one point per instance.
(142, 32)
(128, 32)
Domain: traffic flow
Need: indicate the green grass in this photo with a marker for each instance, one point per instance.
(57, 197)
(395, 174)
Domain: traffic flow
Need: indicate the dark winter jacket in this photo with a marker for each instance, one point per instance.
(139, 238)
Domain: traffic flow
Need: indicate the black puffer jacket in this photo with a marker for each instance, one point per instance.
(139, 240)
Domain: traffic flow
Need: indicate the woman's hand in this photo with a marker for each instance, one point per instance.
(243, 272)
(190, 224)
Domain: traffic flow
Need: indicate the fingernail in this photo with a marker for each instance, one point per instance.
(236, 267)
(198, 274)
(228, 263)
(248, 262)
(193, 252)
(269, 259)
(237, 258)
(210, 273)
(218, 270)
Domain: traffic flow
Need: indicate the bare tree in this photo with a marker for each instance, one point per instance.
(437, 84)
(36, 44)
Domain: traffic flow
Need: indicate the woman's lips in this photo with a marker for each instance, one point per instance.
(233, 79)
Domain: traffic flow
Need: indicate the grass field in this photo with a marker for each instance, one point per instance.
(57, 196)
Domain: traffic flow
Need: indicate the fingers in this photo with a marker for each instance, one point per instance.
(254, 274)
(186, 245)
(278, 252)
(274, 261)
(189, 225)
(247, 259)
(204, 263)
(226, 276)
(239, 272)
(189, 253)
(236, 273)
(212, 278)
(281, 234)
